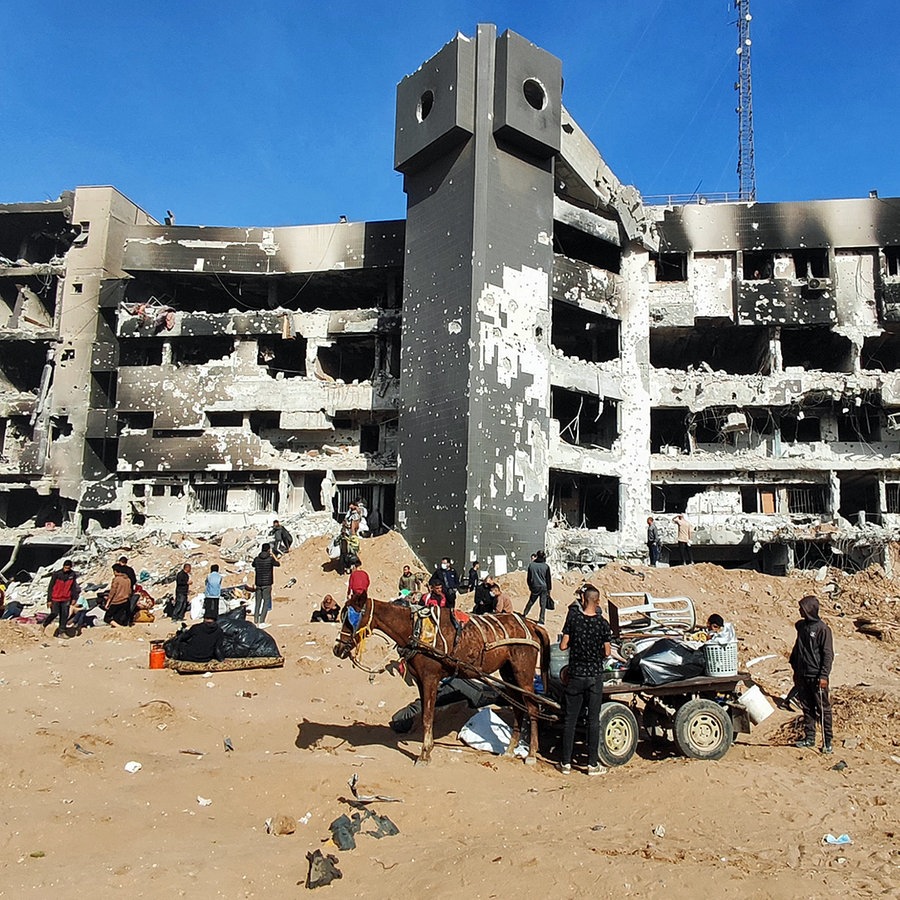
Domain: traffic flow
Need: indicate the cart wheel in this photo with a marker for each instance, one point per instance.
(703, 730)
(618, 734)
(628, 649)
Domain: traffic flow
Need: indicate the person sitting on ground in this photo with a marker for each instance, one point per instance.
(502, 603)
(117, 599)
(281, 538)
(719, 631)
(78, 614)
(358, 583)
(212, 592)
(408, 582)
(202, 642)
(328, 611)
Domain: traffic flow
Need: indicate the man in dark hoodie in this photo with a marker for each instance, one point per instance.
(540, 584)
(202, 642)
(811, 661)
(264, 565)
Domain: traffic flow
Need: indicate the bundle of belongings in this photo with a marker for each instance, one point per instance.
(235, 643)
(666, 660)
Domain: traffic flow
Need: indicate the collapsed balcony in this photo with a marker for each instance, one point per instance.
(736, 350)
(584, 501)
(882, 353)
(27, 302)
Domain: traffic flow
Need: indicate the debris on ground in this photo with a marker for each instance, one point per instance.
(322, 869)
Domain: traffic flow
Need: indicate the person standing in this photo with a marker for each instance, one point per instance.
(63, 589)
(281, 538)
(408, 582)
(540, 583)
(653, 542)
(474, 575)
(811, 660)
(212, 593)
(587, 636)
(182, 589)
(264, 566)
(685, 536)
(446, 574)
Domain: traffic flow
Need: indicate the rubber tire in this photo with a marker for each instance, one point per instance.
(703, 730)
(619, 734)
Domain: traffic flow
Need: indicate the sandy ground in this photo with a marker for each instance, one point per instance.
(473, 825)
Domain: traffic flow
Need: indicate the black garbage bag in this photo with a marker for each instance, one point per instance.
(243, 639)
(663, 661)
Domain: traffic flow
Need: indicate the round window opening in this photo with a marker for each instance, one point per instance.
(534, 94)
(426, 103)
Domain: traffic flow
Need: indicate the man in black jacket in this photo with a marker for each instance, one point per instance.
(811, 660)
(264, 565)
(202, 642)
(540, 584)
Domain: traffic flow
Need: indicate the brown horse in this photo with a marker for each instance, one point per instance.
(508, 643)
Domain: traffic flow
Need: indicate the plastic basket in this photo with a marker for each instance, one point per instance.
(721, 659)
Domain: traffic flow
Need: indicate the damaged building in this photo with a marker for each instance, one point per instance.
(533, 357)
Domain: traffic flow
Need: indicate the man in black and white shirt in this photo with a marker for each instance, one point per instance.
(587, 636)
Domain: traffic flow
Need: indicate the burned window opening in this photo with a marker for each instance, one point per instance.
(805, 499)
(816, 347)
(348, 359)
(264, 422)
(190, 351)
(136, 421)
(811, 263)
(584, 501)
(892, 262)
(226, 419)
(800, 428)
(582, 334)
(103, 390)
(369, 438)
(236, 492)
(758, 265)
(860, 424)
(674, 498)
(282, 357)
(35, 237)
(101, 457)
(669, 428)
(732, 349)
(671, 266)
(29, 301)
(588, 248)
(312, 488)
(882, 353)
(21, 370)
(892, 497)
(140, 352)
(859, 494)
(585, 420)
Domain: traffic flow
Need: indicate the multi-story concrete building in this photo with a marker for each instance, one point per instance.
(534, 357)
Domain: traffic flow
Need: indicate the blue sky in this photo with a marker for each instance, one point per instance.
(282, 113)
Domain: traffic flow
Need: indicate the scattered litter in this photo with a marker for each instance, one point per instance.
(759, 659)
(162, 727)
(281, 824)
(247, 694)
(304, 820)
(210, 684)
(81, 749)
(228, 744)
(204, 801)
(37, 854)
(839, 766)
(190, 752)
(837, 841)
(597, 827)
(345, 827)
(133, 767)
(660, 831)
(895, 759)
(207, 674)
(322, 869)
(366, 798)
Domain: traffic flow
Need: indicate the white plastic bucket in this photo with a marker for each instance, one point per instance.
(758, 707)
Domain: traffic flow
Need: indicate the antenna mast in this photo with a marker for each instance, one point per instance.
(746, 167)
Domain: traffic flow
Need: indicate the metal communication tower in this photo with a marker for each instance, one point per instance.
(746, 167)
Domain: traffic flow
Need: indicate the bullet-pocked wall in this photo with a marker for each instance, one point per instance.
(477, 127)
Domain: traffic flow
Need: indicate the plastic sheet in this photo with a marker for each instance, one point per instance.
(664, 661)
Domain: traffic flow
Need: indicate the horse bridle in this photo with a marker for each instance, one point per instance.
(358, 629)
